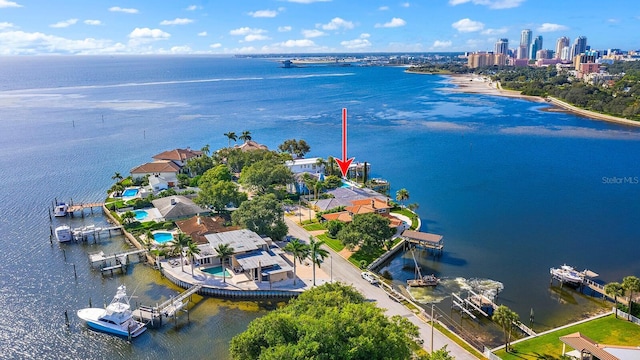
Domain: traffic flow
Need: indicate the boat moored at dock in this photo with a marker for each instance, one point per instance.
(568, 275)
(60, 210)
(116, 319)
(63, 233)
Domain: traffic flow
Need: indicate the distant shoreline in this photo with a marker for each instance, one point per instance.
(473, 84)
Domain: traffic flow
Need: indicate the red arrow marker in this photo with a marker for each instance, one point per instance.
(344, 163)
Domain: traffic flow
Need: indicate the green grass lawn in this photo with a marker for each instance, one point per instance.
(334, 244)
(606, 330)
(314, 227)
(409, 214)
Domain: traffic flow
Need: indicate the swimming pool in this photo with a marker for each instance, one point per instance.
(140, 214)
(162, 237)
(130, 193)
(217, 271)
(345, 185)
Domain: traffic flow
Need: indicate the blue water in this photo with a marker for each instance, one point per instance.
(162, 237)
(130, 193)
(141, 215)
(217, 271)
(514, 190)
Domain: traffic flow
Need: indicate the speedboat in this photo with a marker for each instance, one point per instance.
(60, 210)
(116, 319)
(567, 274)
(63, 233)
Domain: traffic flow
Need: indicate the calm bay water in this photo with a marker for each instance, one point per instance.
(514, 190)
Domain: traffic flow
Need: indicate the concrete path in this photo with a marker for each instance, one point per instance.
(340, 269)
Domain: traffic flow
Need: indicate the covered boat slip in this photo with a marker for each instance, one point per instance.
(426, 240)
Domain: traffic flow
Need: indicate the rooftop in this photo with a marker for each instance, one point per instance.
(240, 240)
(178, 154)
(159, 166)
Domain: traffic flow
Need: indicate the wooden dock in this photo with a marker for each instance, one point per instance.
(586, 276)
(83, 233)
(167, 309)
(80, 207)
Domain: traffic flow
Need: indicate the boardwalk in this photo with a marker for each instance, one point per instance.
(79, 207)
(167, 309)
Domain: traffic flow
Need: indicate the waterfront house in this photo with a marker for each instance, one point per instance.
(585, 348)
(165, 169)
(198, 226)
(177, 207)
(310, 166)
(256, 257)
(364, 206)
(178, 156)
(251, 145)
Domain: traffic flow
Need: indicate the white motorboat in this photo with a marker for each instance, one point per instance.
(116, 319)
(568, 275)
(60, 210)
(63, 233)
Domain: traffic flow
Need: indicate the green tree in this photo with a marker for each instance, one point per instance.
(631, 284)
(224, 251)
(230, 136)
(263, 215)
(369, 231)
(332, 321)
(117, 177)
(332, 182)
(128, 217)
(191, 250)
(217, 190)
(440, 354)
(614, 289)
(402, 195)
(266, 175)
(300, 251)
(183, 180)
(246, 136)
(505, 317)
(317, 254)
(295, 147)
(413, 207)
(180, 241)
(334, 227)
(116, 189)
(206, 150)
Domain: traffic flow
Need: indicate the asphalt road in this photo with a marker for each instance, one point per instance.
(342, 270)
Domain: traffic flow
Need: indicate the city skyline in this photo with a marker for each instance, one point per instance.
(303, 26)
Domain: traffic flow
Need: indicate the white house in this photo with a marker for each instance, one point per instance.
(166, 169)
(310, 165)
(178, 156)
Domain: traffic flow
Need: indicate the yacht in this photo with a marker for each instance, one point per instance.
(60, 210)
(116, 319)
(63, 233)
(568, 275)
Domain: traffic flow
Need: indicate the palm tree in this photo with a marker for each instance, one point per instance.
(224, 251)
(614, 289)
(300, 251)
(231, 136)
(631, 284)
(191, 250)
(317, 254)
(322, 163)
(128, 217)
(331, 163)
(413, 207)
(117, 177)
(205, 149)
(246, 136)
(505, 317)
(402, 194)
(317, 186)
(180, 242)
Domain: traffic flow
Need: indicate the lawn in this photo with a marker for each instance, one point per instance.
(606, 330)
(314, 227)
(408, 213)
(334, 244)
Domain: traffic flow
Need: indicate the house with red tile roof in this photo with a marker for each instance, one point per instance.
(178, 156)
(165, 169)
(199, 226)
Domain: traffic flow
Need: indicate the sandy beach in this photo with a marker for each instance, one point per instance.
(474, 84)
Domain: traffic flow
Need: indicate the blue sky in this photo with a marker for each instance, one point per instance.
(305, 26)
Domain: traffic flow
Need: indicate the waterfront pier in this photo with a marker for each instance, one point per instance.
(120, 260)
(167, 309)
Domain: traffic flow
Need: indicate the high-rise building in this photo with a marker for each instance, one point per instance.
(525, 42)
(566, 52)
(535, 46)
(502, 47)
(579, 46)
(482, 58)
(560, 44)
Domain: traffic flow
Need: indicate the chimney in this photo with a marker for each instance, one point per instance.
(198, 220)
(173, 201)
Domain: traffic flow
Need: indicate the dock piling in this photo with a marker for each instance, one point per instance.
(75, 274)
(66, 318)
(64, 253)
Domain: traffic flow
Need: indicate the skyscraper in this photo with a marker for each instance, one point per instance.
(579, 46)
(502, 47)
(525, 43)
(560, 44)
(535, 46)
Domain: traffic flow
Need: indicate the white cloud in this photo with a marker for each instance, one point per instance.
(441, 44)
(548, 27)
(64, 23)
(296, 43)
(613, 21)
(124, 10)
(246, 31)
(93, 22)
(8, 4)
(20, 42)
(383, 8)
(176, 21)
(500, 31)
(184, 49)
(312, 33)
(405, 5)
(215, 46)
(193, 7)
(255, 37)
(263, 14)
(467, 25)
(395, 22)
(359, 43)
(145, 35)
(202, 33)
(284, 28)
(336, 23)
(5, 25)
(492, 4)
(307, 1)
(365, 36)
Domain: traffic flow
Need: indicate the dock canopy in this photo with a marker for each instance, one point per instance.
(433, 241)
